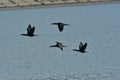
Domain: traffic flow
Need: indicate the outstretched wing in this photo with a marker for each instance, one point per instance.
(66, 24)
(29, 27)
(54, 23)
(61, 48)
(33, 30)
(28, 35)
(80, 46)
(53, 46)
(84, 46)
(76, 50)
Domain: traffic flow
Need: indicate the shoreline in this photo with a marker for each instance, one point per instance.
(58, 5)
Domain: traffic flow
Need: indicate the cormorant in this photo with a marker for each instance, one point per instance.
(30, 31)
(82, 47)
(58, 45)
(60, 25)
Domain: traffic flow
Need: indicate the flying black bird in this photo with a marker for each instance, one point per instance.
(60, 25)
(30, 31)
(58, 45)
(82, 47)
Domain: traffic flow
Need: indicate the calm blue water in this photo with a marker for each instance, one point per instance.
(27, 58)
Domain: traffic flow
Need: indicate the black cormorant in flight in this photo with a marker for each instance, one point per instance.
(30, 31)
(60, 25)
(59, 45)
(82, 47)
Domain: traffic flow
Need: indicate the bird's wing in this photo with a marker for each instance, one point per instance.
(53, 46)
(84, 46)
(54, 23)
(33, 30)
(29, 27)
(61, 48)
(28, 35)
(66, 24)
(76, 50)
(80, 46)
